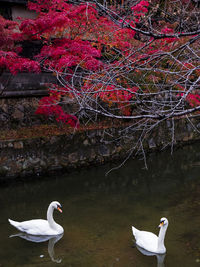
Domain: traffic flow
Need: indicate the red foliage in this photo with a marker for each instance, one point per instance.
(9, 49)
(73, 37)
(7, 34)
(193, 99)
(140, 9)
(15, 63)
(69, 53)
(49, 106)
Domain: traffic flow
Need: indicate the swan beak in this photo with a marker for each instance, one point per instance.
(58, 208)
(161, 224)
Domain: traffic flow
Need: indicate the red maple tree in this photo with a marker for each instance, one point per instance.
(141, 63)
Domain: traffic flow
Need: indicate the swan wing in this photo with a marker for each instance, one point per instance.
(34, 227)
(147, 241)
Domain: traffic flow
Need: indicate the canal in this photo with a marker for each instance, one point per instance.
(99, 210)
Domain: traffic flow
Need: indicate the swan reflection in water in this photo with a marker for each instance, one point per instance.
(38, 239)
(160, 257)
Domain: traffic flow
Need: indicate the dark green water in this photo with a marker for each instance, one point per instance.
(98, 212)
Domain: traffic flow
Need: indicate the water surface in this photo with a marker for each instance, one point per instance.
(98, 212)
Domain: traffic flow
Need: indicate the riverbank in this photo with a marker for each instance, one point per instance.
(45, 149)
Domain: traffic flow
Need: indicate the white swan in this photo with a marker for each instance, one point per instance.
(40, 226)
(150, 241)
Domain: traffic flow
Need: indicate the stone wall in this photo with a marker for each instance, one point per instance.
(20, 158)
(19, 112)
(19, 98)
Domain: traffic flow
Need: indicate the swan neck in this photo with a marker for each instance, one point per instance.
(50, 218)
(161, 237)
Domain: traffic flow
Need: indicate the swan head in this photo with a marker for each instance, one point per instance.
(56, 205)
(163, 222)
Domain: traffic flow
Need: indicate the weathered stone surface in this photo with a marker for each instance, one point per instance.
(104, 151)
(152, 143)
(86, 142)
(19, 112)
(17, 145)
(73, 157)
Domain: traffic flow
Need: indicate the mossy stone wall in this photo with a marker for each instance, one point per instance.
(21, 158)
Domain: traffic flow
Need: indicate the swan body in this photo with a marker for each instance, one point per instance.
(150, 241)
(40, 226)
